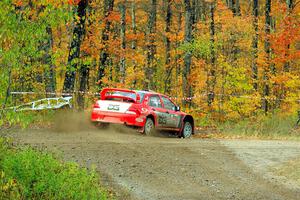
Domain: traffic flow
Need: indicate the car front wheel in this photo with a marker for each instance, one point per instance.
(187, 130)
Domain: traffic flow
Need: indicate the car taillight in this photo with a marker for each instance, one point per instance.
(96, 105)
(133, 111)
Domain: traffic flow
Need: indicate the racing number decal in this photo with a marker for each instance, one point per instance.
(113, 107)
(162, 119)
(168, 120)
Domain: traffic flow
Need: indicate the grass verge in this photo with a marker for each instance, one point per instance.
(275, 126)
(31, 174)
(26, 119)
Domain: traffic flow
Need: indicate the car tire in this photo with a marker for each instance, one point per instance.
(149, 127)
(101, 125)
(187, 130)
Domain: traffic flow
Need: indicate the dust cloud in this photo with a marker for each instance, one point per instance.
(68, 121)
(72, 121)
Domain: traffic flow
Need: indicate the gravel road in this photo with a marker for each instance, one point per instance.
(169, 168)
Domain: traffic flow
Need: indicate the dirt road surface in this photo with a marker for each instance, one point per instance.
(169, 168)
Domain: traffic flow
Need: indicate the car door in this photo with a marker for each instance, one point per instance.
(156, 106)
(173, 117)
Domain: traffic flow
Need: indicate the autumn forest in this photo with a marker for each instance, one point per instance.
(227, 59)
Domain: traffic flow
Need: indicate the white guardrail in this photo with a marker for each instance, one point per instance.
(44, 104)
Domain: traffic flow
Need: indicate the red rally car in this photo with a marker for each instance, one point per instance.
(142, 109)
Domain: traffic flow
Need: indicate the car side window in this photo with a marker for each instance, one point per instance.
(154, 101)
(169, 105)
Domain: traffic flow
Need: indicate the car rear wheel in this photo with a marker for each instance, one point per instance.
(187, 130)
(101, 125)
(149, 127)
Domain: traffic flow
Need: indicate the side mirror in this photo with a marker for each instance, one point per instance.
(177, 108)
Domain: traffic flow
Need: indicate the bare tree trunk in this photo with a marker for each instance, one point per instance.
(194, 11)
(169, 69)
(177, 57)
(151, 65)
(199, 8)
(133, 24)
(83, 82)
(7, 94)
(202, 8)
(134, 41)
(230, 4)
(83, 72)
(188, 37)
(237, 8)
(290, 6)
(123, 41)
(104, 62)
(255, 45)
(49, 74)
(266, 88)
(74, 53)
(234, 5)
(211, 80)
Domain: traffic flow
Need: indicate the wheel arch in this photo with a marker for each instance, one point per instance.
(189, 118)
(151, 117)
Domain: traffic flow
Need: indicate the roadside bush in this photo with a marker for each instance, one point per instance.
(30, 174)
(8, 187)
(273, 126)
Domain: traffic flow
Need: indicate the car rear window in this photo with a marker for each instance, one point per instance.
(121, 94)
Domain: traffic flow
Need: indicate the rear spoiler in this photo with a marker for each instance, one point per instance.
(105, 90)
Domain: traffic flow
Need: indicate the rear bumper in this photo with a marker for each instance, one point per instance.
(118, 118)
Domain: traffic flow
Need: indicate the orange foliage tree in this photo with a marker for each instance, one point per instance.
(219, 64)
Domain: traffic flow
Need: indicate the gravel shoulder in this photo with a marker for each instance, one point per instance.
(267, 157)
(170, 168)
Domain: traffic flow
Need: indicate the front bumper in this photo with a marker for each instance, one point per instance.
(118, 118)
